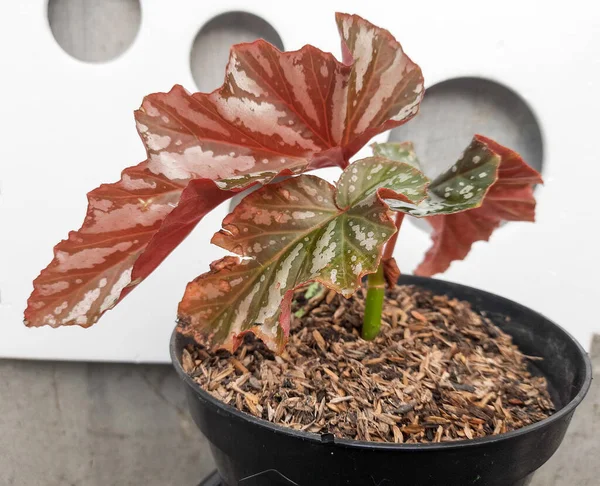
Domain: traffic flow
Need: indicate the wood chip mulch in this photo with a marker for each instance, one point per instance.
(437, 372)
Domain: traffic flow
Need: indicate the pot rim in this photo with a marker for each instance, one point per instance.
(362, 444)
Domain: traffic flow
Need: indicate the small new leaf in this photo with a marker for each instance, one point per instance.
(286, 234)
(312, 290)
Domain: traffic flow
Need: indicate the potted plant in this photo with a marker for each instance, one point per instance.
(418, 383)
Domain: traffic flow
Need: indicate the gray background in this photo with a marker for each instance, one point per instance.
(105, 424)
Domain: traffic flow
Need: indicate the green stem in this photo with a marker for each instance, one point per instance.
(373, 304)
(376, 288)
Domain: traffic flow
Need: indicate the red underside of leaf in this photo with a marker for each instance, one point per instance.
(199, 198)
(126, 233)
(509, 199)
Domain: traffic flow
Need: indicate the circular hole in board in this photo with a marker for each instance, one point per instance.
(454, 110)
(92, 30)
(210, 51)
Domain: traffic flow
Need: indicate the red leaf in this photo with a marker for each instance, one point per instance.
(385, 86)
(276, 113)
(197, 200)
(130, 227)
(510, 198)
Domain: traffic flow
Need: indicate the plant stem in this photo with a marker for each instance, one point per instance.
(373, 304)
(376, 289)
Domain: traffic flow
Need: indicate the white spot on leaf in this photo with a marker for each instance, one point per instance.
(365, 241)
(324, 251)
(53, 288)
(135, 184)
(79, 311)
(111, 299)
(157, 142)
(88, 258)
(278, 287)
(194, 162)
(303, 214)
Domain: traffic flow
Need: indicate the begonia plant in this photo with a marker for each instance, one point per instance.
(280, 114)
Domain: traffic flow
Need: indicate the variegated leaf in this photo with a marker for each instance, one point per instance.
(385, 87)
(380, 177)
(463, 186)
(400, 151)
(299, 230)
(510, 198)
(276, 113)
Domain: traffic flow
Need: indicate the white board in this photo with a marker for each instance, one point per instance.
(66, 126)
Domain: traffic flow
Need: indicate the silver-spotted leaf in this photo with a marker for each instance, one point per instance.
(399, 151)
(463, 186)
(378, 176)
(286, 234)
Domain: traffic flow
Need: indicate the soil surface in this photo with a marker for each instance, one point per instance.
(437, 372)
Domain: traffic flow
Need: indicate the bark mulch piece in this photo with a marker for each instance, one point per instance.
(437, 372)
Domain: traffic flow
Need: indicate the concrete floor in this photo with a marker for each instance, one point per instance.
(576, 462)
(77, 424)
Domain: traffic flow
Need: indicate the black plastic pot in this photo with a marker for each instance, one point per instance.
(249, 451)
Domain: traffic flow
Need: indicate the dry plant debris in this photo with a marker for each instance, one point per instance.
(437, 372)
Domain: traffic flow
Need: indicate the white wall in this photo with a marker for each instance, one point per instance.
(67, 126)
